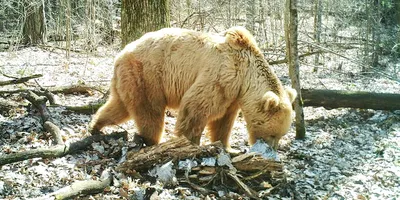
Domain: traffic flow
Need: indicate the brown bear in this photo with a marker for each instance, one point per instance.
(208, 77)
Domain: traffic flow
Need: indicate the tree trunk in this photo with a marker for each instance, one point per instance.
(90, 24)
(141, 16)
(376, 33)
(107, 26)
(317, 28)
(34, 29)
(250, 15)
(346, 99)
(293, 61)
(67, 6)
(397, 6)
(367, 32)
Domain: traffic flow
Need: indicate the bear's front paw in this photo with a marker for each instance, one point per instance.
(94, 131)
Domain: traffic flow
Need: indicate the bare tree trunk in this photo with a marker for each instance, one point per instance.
(376, 33)
(291, 21)
(367, 32)
(141, 16)
(34, 29)
(90, 24)
(250, 15)
(67, 6)
(107, 27)
(317, 28)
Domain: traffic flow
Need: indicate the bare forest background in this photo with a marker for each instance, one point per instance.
(345, 53)
(368, 28)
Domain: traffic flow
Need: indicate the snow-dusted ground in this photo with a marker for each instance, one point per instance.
(348, 153)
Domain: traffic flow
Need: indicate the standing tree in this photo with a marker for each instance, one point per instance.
(317, 28)
(141, 16)
(90, 24)
(250, 15)
(34, 29)
(291, 21)
(67, 5)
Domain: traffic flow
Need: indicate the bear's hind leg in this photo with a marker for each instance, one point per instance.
(112, 113)
(220, 129)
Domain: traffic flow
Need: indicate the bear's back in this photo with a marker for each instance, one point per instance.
(175, 58)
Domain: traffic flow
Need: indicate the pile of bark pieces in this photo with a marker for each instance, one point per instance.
(208, 169)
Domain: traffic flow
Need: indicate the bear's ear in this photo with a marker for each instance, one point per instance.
(292, 94)
(239, 38)
(271, 100)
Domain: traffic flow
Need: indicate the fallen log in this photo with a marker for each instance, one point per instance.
(350, 99)
(59, 150)
(315, 98)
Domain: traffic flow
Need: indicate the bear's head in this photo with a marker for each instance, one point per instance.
(273, 118)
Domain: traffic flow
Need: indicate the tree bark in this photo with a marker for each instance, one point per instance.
(34, 29)
(293, 61)
(142, 16)
(346, 99)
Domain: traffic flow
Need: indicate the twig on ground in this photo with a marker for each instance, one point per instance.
(20, 80)
(86, 109)
(202, 190)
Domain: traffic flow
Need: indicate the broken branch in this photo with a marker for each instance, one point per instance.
(59, 150)
(174, 149)
(84, 187)
(20, 80)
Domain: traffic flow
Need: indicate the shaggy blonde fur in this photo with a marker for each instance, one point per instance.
(208, 77)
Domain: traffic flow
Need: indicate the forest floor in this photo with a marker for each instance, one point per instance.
(347, 154)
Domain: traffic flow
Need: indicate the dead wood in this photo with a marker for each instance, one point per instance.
(174, 149)
(20, 80)
(350, 99)
(251, 162)
(276, 62)
(39, 102)
(71, 89)
(86, 109)
(60, 150)
(85, 187)
(74, 89)
(54, 131)
(204, 191)
(247, 190)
